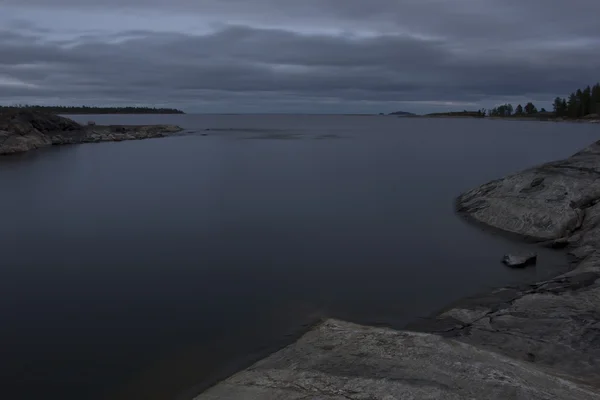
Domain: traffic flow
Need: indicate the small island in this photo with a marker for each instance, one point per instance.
(403, 114)
(72, 110)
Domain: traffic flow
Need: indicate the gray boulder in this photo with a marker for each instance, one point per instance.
(520, 261)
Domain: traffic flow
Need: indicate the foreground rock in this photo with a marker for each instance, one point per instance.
(546, 203)
(538, 341)
(519, 261)
(27, 130)
(341, 361)
(556, 323)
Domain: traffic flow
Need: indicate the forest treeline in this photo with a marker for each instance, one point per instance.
(93, 110)
(579, 104)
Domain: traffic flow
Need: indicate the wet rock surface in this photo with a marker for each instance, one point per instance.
(28, 130)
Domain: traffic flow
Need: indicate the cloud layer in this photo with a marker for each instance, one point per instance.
(284, 56)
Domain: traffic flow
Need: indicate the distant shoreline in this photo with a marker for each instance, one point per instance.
(524, 118)
(64, 110)
(117, 113)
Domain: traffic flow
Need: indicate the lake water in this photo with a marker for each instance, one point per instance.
(149, 269)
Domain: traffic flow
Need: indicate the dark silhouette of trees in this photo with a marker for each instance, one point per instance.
(579, 103)
(92, 110)
(505, 110)
(519, 110)
(595, 100)
(464, 113)
(586, 101)
(560, 107)
(530, 109)
(573, 106)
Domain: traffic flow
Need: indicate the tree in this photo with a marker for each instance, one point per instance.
(519, 110)
(595, 100)
(504, 110)
(543, 110)
(586, 101)
(530, 108)
(579, 101)
(557, 106)
(572, 106)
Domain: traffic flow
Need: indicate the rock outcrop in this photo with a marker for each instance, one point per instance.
(556, 323)
(537, 341)
(343, 361)
(28, 130)
(544, 204)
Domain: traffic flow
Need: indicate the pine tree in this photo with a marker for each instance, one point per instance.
(586, 101)
(563, 107)
(572, 106)
(530, 109)
(595, 100)
(519, 110)
(557, 106)
(579, 99)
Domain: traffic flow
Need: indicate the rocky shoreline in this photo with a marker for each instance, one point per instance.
(537, 341)
(555, 323)
(27, 130)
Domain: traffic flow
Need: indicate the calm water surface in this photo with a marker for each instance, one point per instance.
(148, 269)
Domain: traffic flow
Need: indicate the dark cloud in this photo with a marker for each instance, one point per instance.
(306, 56)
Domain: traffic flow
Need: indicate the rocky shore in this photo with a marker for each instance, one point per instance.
(538, 341)
(25, 130)
(554, 324)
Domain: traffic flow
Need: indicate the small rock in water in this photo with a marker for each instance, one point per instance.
(520, 261)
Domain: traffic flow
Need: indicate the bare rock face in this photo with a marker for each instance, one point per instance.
(18, 143)
(119, 133)
(27, 130)
(554, 324)
(546, 203)
(339, 361)
(26, 121)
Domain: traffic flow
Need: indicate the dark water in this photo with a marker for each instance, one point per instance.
(147, 269)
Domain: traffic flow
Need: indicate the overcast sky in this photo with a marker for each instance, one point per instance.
(323, 56)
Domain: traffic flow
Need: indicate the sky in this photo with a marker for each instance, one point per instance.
(300, 56)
